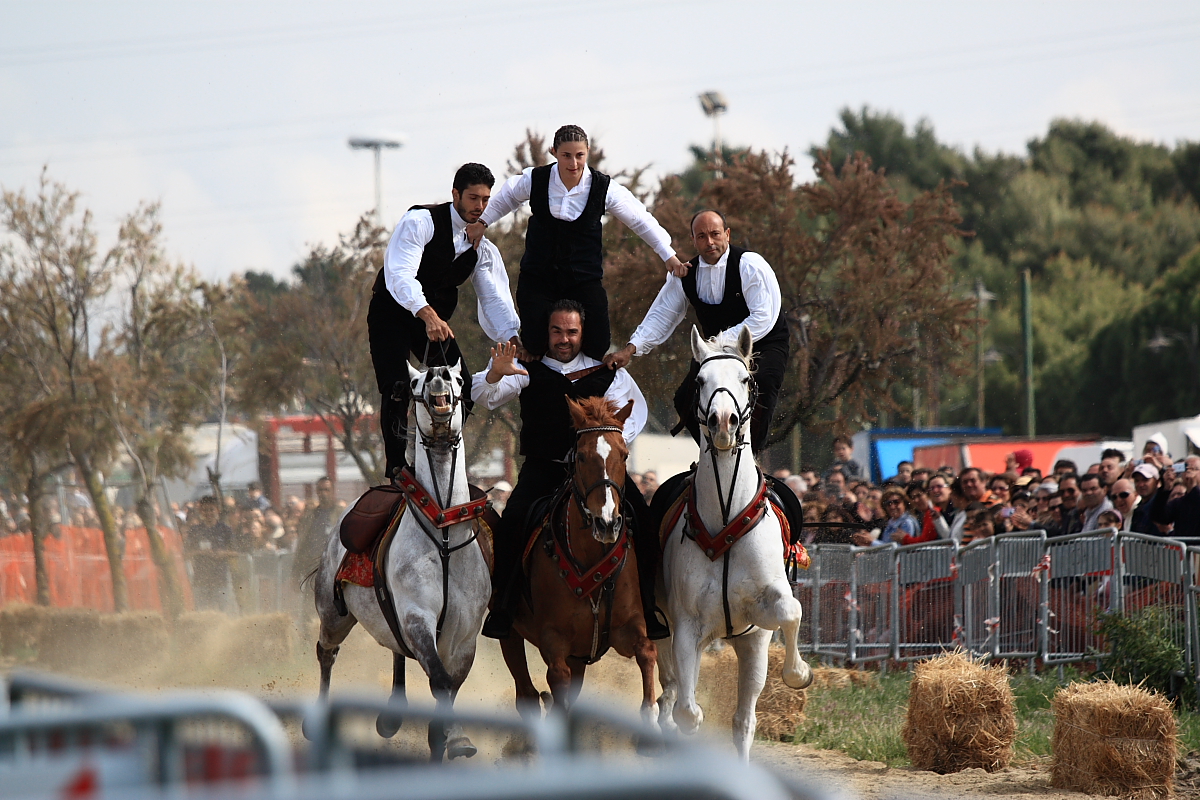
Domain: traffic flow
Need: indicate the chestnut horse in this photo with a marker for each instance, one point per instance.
(583, 574)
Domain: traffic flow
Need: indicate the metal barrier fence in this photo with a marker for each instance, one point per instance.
(1016, 595)
(247, 583)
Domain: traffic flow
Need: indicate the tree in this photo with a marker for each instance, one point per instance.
(868, 291)
(57, 281)
(157, 355)
(311, 343)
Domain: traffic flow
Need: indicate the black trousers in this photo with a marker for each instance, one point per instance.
(540, 477)
(537, 292)
(394, 333)
(769, 365)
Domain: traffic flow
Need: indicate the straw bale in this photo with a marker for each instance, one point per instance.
(1113, 739)
(960, 715)
(779, 709)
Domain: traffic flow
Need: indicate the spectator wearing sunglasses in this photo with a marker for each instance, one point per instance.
(900, 524)
(1124, 499)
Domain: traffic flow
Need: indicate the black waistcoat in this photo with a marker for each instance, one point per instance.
(546, 427)
(732, 310)
(552, 245)
(440, 273)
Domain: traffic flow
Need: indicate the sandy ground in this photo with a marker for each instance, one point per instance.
(364, 667)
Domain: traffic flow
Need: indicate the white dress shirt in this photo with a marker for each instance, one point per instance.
(497, 314)
(568, 204)
(620, 391)
(760, 288)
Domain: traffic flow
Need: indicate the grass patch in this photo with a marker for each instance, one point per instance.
(864, 722)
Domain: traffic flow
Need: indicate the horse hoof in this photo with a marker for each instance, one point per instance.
(386, 724)
(799, 678)
(688, 722)
(547, 700)
(306, 729)
(460, 747)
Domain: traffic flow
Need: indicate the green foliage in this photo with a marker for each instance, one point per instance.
(1098, 219)
(1143, 650)
(862, 721)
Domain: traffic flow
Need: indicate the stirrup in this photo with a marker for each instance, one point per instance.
(498, 624)
(656, 625)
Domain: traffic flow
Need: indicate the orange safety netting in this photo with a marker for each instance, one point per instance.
(77, 569)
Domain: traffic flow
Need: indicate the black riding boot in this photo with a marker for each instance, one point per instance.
(498, 624)
(646, 547)
(393, 422)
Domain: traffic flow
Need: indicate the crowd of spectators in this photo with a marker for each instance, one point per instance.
(1151, 494)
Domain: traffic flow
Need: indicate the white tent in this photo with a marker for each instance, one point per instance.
(1182, 436)
(239, 460)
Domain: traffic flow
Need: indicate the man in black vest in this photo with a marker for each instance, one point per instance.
(416, 292)
(547, 436)
(730, 289)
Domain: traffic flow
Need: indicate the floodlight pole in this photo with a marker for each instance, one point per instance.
(377, 145)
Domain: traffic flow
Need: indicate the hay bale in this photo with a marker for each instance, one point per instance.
(960, 715)
(780, 708)
(1113, 739)
(67, 636)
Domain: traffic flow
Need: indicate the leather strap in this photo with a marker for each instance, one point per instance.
(582, 373)
(715, 546)
(439, 517)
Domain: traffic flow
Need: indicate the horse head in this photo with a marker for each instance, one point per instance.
(437, 392)
(725, 393)
(598, 482)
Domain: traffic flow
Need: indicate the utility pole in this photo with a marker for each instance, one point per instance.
(1027, 342)
(364, 143)
(714, 105)
(981, 296)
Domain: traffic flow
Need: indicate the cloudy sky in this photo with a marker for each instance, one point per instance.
(235, 115)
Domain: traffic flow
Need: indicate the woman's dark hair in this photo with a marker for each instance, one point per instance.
(915, 488)
(569, 133)
(472, 175)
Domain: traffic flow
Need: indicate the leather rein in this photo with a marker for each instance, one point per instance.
(435, 518)
(734, 526)
(584, 581)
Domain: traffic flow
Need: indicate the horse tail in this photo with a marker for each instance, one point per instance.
(311, 575)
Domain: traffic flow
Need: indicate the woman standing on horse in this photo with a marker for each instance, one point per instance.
(564, 254)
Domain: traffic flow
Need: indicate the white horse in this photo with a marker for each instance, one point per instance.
(743, 594)
(437, 630)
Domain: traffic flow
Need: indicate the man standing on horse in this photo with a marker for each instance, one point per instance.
(416, 293)
(730, 289)
(547, 438)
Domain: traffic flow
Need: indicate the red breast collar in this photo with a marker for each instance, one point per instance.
(715, 546)
(584, 583)
(440, 517)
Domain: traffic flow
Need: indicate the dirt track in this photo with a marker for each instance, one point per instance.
(365, 667)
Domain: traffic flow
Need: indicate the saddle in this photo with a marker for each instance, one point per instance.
(671, 501)
(368, 528)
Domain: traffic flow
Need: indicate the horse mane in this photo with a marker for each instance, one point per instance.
(599, 411)
(732, 350)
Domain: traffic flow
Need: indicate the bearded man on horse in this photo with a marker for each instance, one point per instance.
(547, 438)
(416, 293)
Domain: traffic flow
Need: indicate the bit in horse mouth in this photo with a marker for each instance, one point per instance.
(440, 401)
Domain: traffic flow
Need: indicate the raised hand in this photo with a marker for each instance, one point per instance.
(503, 362)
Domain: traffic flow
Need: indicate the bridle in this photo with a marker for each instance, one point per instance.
(581, 495)
(725, 500)
(743, 414)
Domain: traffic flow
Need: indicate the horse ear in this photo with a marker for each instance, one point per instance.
(624, 413)
(414, 375)
(700, 349)
(578, 418)
(745, 343)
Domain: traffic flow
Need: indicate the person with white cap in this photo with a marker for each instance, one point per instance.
(1145, 483)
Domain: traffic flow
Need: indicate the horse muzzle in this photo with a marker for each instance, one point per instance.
(607, 532)
(439, 404)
